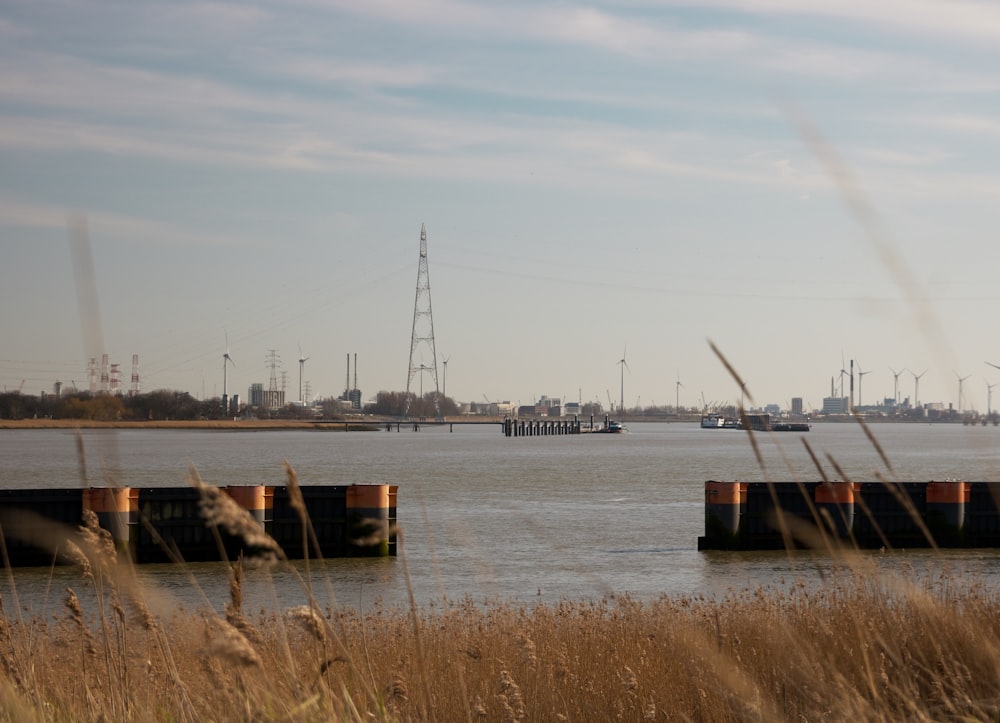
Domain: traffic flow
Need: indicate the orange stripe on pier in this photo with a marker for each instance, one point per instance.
(950, 491)
(835, 493)
(725, 493)
(252, 497)
(368, 497)
(111, 499)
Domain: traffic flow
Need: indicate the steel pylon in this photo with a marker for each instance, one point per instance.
(422, 337)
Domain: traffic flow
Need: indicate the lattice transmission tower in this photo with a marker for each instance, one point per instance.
(273, 401)
(422, 337)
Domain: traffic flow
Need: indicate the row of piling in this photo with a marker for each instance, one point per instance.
(168, 524)
(766, 515)
(540, 427)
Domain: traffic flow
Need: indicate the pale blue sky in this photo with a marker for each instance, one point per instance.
(594, 178)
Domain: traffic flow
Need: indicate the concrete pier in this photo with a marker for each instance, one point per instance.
(762, 515)
(166, 524)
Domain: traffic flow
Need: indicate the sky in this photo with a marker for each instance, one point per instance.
(785, 186)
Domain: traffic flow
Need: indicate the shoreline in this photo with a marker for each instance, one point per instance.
(228, 424)
(250, 425)
(354, 423)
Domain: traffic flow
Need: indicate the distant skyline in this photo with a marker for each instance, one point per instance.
(802, 184)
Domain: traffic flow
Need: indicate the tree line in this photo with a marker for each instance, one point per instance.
(176, 405)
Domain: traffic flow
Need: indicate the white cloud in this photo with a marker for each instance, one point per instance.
(17, 212)
(932, 18)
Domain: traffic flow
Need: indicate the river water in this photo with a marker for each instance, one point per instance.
(504, 519)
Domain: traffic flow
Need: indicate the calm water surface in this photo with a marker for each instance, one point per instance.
(494, 519)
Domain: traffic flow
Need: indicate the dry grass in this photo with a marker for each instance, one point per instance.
(858, 647)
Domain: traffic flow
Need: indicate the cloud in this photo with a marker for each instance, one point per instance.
(16, 212)
(931, 18)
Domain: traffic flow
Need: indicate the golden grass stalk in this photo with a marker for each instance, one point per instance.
(220, 510)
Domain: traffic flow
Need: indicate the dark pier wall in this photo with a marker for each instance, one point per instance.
(166, 524)
(951, 513)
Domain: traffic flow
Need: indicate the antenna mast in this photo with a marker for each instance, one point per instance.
(423, 330)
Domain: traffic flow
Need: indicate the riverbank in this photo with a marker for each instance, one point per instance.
(250, 425)
(928, 651)
(246, 424)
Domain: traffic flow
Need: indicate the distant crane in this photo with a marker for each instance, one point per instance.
(960, 381)
(611, 405)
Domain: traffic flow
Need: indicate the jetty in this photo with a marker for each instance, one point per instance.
(873, 515)
(174, 524)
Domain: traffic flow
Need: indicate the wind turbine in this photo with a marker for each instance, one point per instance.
(960, 380)
(444, 384)
(895, 383)
(677, 399)
(861, 376)
(842, 373)
(916, 388)
(226, 361)
(621, 407)
(995, 366)
(989, 399)
(302, 364)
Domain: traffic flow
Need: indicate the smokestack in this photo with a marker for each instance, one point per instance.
(347, 382)
(355, 370)
(852, 384)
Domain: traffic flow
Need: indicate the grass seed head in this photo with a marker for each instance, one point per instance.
(310, 620)
(295, 500)
(220, 510)
(73, 605)
(229, 644)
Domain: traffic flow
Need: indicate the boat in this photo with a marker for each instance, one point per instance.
(790, 427)
(757, 422)
(720, 421)
(610, 427)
